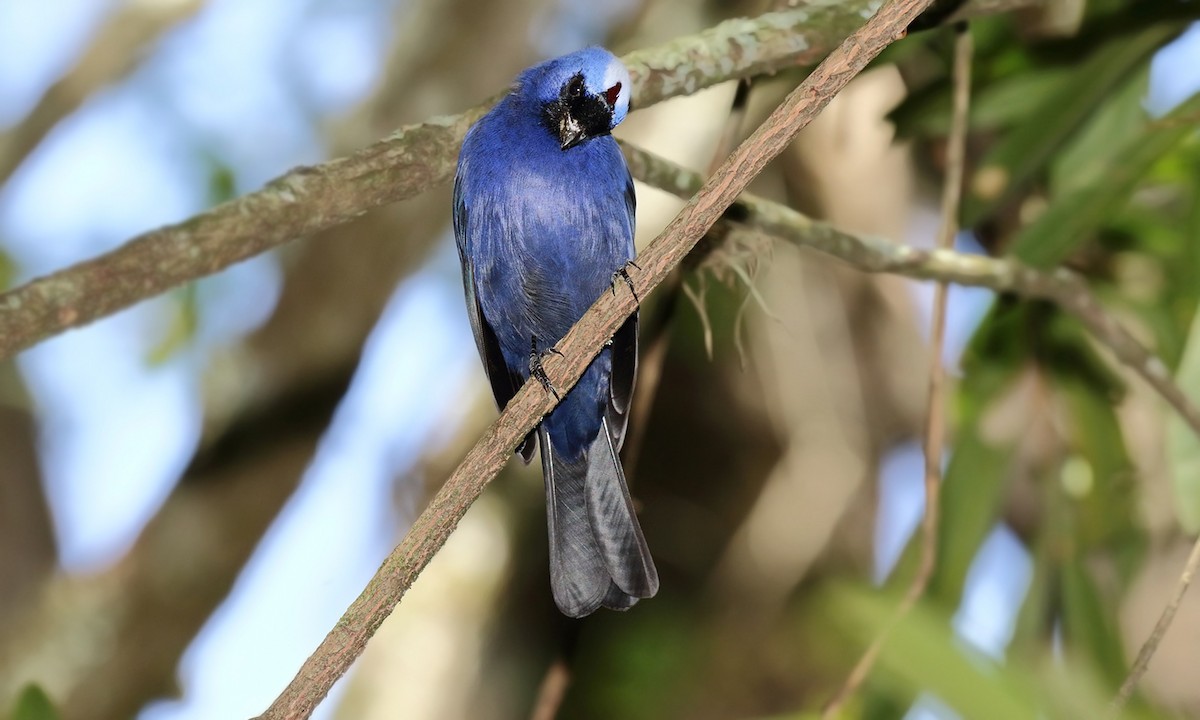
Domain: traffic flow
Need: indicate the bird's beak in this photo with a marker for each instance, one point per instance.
(570, 132)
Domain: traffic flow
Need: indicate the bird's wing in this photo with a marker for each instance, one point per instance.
(624, 353)
(504, 381)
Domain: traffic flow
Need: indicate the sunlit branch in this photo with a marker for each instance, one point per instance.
(755, 216)
(307, 200)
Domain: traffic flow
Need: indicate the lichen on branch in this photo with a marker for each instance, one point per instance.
(307, 200)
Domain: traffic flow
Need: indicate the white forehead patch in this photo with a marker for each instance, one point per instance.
(614, 73)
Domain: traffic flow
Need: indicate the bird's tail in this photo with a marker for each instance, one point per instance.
(597, 553)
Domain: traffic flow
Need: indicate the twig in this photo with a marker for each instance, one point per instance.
(867, 253)
(349, 637)
(553, 689)
(416, 157)
(112, 53)
(1146, 654)
(656, 334)
(934, 421)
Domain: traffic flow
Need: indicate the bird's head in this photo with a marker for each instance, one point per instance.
(581, 95)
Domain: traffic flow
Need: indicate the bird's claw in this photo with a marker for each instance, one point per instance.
(537, 372)
(623, 274)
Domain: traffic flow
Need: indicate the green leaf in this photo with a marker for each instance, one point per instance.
(1183, 447)
(222, 180)
(1100, 141)
(1035, 622)
(1089, 624)
(1023, 154)
(1159, 232)
(924, 655)
(1075, 216)
(971, 496)
(1099, 479)
(181, 328)
(34, 704)
(1001, 104)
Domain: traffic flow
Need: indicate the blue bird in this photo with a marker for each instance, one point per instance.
(543, 217)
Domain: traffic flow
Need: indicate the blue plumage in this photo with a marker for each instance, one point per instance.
(543, 216)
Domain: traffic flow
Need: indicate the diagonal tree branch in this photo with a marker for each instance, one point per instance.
(306, 200)
(349, 637)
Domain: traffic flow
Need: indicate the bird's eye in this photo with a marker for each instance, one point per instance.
(612, 94)
(575, 86)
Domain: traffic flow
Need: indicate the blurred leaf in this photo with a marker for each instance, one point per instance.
(1152, 256)
(181, 328)
(1098, 144)
(1071, 218)
(923, 654)
(662, 647)
(222, 181)
(1015, 332)
(972, 492)
(996, 348)
(1062, 348)
(879, 706)
(1089, 626)
(1000, 104)
(1183, 447)
(1026, 151)
(34, 704)
(1035, 621)
(1102, 489)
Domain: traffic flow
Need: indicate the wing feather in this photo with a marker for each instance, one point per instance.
(505, 383)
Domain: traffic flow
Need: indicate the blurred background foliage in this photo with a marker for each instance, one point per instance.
(192, 491)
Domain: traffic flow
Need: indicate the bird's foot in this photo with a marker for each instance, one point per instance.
(536, 370)
(623, 274)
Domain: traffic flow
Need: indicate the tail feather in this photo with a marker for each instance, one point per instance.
(598, 556)
(614, 521)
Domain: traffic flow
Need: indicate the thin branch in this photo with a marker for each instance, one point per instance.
(934, 419)
(1146, 654)
(552, 691)
(112, 53)
(655, 330)
(755, 216)
(416, 157)
(349, 637)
